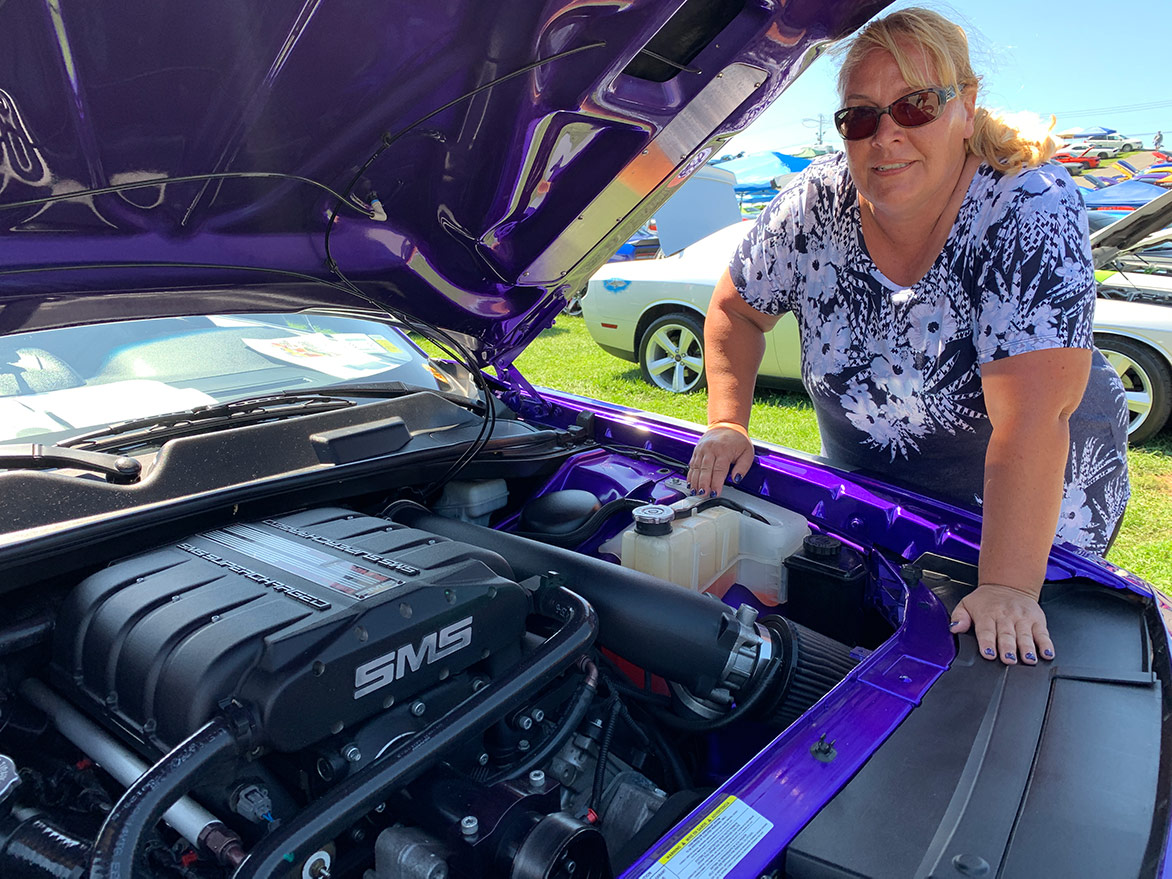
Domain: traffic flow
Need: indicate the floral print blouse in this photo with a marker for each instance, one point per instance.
(894, 372)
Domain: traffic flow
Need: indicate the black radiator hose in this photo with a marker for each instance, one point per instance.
(140, 808)
(35, 848)
(681, 635)
(328, 816)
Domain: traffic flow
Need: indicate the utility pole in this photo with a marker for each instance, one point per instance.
(818, 122)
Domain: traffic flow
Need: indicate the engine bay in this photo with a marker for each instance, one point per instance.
(405, 692)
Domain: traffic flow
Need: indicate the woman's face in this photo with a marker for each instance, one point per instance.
(903, 171)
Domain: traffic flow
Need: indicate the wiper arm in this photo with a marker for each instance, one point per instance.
(119, 469)
(216, 416)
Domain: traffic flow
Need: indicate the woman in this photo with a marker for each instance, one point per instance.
(941, 276)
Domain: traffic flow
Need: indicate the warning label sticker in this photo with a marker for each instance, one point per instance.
(714, 846)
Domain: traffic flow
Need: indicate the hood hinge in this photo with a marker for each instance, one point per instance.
(520, 394)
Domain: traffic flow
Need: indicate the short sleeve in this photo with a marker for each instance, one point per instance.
(1035, 283)
(767, 265)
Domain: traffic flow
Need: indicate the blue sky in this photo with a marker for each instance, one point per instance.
(1088, 63)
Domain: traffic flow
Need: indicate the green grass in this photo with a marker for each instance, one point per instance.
(566, 358)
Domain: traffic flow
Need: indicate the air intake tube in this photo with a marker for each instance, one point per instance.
(773, 669)
(680, 635)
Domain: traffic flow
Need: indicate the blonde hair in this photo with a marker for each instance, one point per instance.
(1007, 146)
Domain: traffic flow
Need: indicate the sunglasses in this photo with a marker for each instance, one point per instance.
(910, 111)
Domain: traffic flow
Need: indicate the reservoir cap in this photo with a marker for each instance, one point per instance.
(821, 545)
(653, 519)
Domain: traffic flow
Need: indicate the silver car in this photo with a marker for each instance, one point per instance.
(652, 313)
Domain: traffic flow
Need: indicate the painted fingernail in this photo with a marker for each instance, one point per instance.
(989, 651)
(1031, 657)
(954, 623)
(1048, 653)
(713, 492)
(1011, 657)
(737, 479)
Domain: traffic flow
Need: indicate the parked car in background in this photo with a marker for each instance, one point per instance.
(652, 313)
(1103, 146)
(1117, 142)
(1076, 161)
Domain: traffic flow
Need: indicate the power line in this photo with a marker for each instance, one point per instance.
(1126, 108)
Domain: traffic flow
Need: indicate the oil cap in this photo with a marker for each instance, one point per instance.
(653, 519)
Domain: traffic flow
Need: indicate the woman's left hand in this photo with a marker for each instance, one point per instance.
(1008, 624)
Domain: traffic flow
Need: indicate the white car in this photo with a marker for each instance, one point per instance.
(1117, 142)
(652, 313)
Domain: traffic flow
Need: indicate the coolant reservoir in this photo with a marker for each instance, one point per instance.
(707, 548)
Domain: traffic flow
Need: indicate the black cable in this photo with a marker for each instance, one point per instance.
(729, 505)
(442, 339)
(673, 765)
(669, 62)
(563, 729)
(619, 685)
(117, 846)
(188, 178)
(604, 743)
(617, 680)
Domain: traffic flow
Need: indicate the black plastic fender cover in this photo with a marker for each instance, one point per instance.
(1020, 772)
(318, 619)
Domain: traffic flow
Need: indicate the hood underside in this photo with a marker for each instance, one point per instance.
(483, 159)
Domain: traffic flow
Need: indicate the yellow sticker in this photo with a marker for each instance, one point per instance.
(715, 846)
(697, 830)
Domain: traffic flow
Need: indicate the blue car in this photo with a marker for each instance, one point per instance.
(302, 578)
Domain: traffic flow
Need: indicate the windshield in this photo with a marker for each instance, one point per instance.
(58, 383)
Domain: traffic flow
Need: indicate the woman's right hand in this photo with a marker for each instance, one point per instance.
(723, 451)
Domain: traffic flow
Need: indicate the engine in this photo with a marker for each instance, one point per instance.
(330, 693)
(318, 620)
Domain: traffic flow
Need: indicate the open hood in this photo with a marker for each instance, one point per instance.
(483, 159)
(1143, 227)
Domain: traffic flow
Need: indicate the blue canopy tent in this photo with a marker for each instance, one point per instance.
(1128, 194)
(755, 173)
(1096, 131)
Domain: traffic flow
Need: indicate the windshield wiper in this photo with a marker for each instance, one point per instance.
(119, 469)
(200, 419)
(250, 410)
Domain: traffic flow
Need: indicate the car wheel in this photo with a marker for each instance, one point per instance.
(671, 354)
(1147, 382)
(573, 306)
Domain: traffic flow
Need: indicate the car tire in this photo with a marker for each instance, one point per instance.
(671, 354)
(1147, 381)
(573, 306)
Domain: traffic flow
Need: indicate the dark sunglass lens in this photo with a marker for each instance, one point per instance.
(855, 123)
(916, 109)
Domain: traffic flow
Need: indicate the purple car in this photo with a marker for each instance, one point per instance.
(302, 578)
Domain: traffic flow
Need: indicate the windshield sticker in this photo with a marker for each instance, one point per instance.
(341, 355)
(715, 846)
